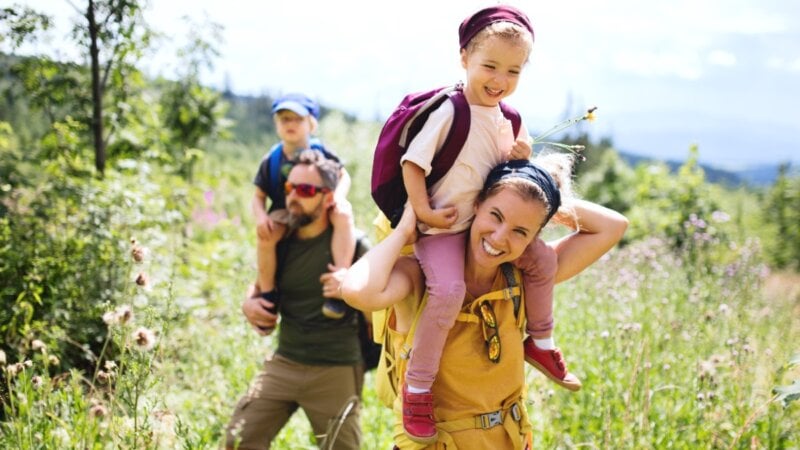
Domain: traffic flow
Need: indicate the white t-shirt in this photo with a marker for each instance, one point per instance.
(488, 143)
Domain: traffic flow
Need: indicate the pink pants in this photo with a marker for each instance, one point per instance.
(441, 258)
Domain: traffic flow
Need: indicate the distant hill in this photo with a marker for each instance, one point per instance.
(760, 176)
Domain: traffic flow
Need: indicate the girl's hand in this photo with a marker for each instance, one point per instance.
(270, 230)
(341, 213)
(440, 218)
(521, 150)
(265, 227)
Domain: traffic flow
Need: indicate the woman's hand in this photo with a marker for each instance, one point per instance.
(332, 281)
(408, 225)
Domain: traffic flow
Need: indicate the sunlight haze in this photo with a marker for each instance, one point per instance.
(722, 74)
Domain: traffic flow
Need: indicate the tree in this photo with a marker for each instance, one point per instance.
(783, 210)
(190, 111)
(113, 36)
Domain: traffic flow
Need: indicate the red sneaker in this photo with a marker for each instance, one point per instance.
(418, 420)
(551, 363)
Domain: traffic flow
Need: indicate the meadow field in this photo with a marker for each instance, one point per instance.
(678, 347)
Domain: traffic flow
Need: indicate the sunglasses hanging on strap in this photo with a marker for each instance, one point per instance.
(488, 317)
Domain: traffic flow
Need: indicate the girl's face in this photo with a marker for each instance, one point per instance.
(292, 128)
(493, 70)
(504, 225)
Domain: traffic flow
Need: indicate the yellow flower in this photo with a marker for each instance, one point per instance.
(590, 116)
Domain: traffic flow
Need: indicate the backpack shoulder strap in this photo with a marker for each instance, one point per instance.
(315, 143)
(512, 281)
(512, 291)
(455, 139)
(274, 168)
(513, 115)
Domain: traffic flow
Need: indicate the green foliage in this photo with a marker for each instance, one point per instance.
(355, 144)
(682, 207)
(609, 182)
(252, 120)
(65, 253)
(782, 209)
(22, 24)
(790, 393)
(191, 113)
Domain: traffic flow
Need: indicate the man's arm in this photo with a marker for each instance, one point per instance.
(255, 311)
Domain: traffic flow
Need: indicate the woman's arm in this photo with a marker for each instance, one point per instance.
(598, 230)
(381, 278)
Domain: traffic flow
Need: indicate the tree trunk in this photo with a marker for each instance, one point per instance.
(97, 93)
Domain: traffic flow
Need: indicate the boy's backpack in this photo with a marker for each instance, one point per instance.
(404, 123)
(391, 367)
(276, 180)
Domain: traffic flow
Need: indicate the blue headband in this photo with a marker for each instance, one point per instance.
(527, 170)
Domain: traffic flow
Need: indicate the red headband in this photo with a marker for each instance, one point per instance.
(487, 16)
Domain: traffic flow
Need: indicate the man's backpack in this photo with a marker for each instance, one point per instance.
(277, 179)
(402, 126)
(370, 350)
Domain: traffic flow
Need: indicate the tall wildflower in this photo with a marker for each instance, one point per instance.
(144, 338)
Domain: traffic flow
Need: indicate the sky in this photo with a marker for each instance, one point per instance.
(722, 74)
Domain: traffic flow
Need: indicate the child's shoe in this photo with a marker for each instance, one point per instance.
(334, 309)
(418, 420)
(270, 296)
(551, 363)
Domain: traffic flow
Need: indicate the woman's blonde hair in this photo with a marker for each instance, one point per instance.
(558, 165)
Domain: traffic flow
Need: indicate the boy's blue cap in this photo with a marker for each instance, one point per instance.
(297, 103)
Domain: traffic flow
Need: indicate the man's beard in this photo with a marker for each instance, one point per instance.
(301, 219)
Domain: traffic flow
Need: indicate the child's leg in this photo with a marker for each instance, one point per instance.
(266, 256)
(441, 258)
(539, 264)
(343, 242)
(343, 249)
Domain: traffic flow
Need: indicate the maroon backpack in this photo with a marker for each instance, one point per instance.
(405, 122)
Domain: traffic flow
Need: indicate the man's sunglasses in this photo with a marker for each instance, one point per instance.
(304, 190)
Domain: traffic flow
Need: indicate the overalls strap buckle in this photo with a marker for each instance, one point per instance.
(492, 419)
(515, 414)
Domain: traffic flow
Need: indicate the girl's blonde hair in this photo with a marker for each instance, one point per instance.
(509, 32)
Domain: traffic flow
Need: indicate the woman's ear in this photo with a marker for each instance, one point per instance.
(464, 58)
